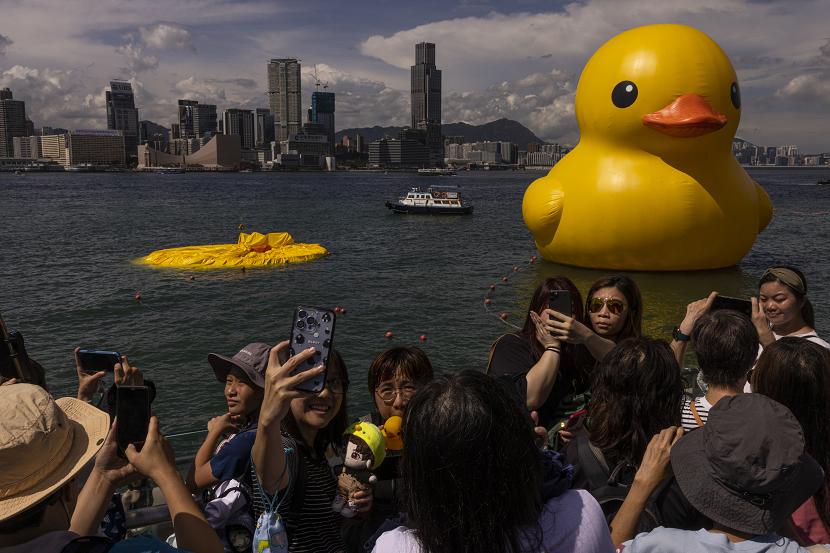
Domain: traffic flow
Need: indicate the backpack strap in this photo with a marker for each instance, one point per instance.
(592, 463)
(693, 409)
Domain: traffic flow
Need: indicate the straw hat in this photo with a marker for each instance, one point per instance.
(43, 444)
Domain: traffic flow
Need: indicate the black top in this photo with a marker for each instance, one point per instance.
(512, 357)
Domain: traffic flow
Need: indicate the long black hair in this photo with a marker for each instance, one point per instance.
(539, 302)
(332, 434)
(796, 373)
(633, 317)
(637, 392)
(470, 468)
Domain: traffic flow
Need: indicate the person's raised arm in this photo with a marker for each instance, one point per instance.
(542, 376)
(200, 474)
(759, 320)
(570, 330)
(654, 468)
(268, 453)
(155, 460)
(88, 383)
(693, 312)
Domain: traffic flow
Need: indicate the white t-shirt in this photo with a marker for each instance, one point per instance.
(670, 540)
(812, 336)
(571, 522)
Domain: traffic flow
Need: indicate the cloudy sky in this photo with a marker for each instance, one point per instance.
(519, 59)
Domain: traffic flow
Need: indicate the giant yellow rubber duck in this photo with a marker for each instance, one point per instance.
(652, 184)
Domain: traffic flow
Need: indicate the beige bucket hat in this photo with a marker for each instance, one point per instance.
(43, 444)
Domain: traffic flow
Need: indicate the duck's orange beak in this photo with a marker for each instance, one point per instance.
(688, 116)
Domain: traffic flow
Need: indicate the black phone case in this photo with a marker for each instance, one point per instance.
(133, 412)
(94, 360)
(312, 326)
(736, 304)
(560, 301)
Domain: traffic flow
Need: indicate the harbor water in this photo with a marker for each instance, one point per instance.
(68, 275)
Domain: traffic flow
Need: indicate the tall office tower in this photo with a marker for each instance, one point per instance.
(322, 112)
(240, 122)
(205, 121)
(187, 116)
(426, 99)
(122, 114)
(263, 128)
(284, 96)
(12, 121)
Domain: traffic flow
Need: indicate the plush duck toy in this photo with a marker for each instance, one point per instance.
(652, 184)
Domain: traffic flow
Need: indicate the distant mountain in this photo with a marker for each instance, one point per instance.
(501, 129)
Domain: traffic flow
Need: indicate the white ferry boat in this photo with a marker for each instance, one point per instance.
(435, 201)
(436, 172)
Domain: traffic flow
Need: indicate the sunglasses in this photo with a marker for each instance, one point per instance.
(615, 306)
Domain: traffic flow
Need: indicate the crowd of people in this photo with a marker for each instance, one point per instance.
(580, 435)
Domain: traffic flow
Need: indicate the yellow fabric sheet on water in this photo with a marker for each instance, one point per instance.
(251, 250)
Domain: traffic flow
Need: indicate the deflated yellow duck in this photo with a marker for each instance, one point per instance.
(652, 184)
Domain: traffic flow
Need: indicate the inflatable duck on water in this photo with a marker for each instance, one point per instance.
(652, 184)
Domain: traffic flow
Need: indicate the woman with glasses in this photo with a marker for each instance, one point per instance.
(295, 431)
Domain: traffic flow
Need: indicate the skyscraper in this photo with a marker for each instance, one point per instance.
(197, 120)
(285, 96)
(240, 122)
(122, 114)
(322, 112)
(187, 109)
(12, 121)
(263, 129)
(426, 99)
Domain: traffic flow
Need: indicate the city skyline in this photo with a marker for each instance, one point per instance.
(498, 60)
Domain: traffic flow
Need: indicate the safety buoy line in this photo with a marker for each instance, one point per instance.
(203, 431)
(488, 297)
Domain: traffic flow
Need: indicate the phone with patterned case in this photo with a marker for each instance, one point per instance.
(312, 327)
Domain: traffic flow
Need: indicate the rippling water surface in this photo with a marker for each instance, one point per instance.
(67, 276)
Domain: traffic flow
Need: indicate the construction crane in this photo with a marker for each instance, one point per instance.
(317, 82)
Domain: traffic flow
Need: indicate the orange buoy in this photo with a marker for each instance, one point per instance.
(492, 287)
(422, 337)
(388, 334)
(487, 301)
(503, 315)
(137, 296)
(504, 279)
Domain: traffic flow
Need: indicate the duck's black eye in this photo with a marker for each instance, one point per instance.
(624, 94)
(735, 93)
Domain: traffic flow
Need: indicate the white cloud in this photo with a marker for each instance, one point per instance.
(5, 42)
(166, 36)
(812, 88)
(137, 60)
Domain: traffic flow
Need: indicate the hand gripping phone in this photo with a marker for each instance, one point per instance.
(736, 304)
(14, 361)
(133, 413)
(94, 360)
(560, 301)
(312, 327)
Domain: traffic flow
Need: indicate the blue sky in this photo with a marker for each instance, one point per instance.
(517, 59)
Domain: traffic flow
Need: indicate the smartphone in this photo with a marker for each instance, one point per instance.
(560, 301)
(576, 419)
(133, 412)
(736, 304)
(312, 327)
(94, 360)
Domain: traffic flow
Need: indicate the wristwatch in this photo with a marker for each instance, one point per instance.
(679, 336)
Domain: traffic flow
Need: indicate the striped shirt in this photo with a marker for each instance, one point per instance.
(689, 421)
(313, 526)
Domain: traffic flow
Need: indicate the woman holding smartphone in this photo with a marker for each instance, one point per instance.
(295, 430)
(535, 360)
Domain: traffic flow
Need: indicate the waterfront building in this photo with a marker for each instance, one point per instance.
(53, 146)
(184, 146)
(187, 116)
(539, 159)
(322, 112)
(284, 93)
(205, 121)
(425, 92)
(359, 144)
(49, 131)
(27, 147)
(12, 121)
(122, 114)
(263, 129)
(312, 140)
(398, 154)
(222, 152)
(240, 122)
(96, 147)
(175, 131)
(30, 127)
(154, 134)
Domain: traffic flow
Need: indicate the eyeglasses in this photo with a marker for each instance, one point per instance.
(615, 306)
(389, 393)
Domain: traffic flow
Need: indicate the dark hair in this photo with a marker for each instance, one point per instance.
(634, 316)
(807, 312)
(637, 392)
(796, 373)
(410, 361)
(470, 469)
(539, 302)
(31, 517)
(726, 345)
(333, 433)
